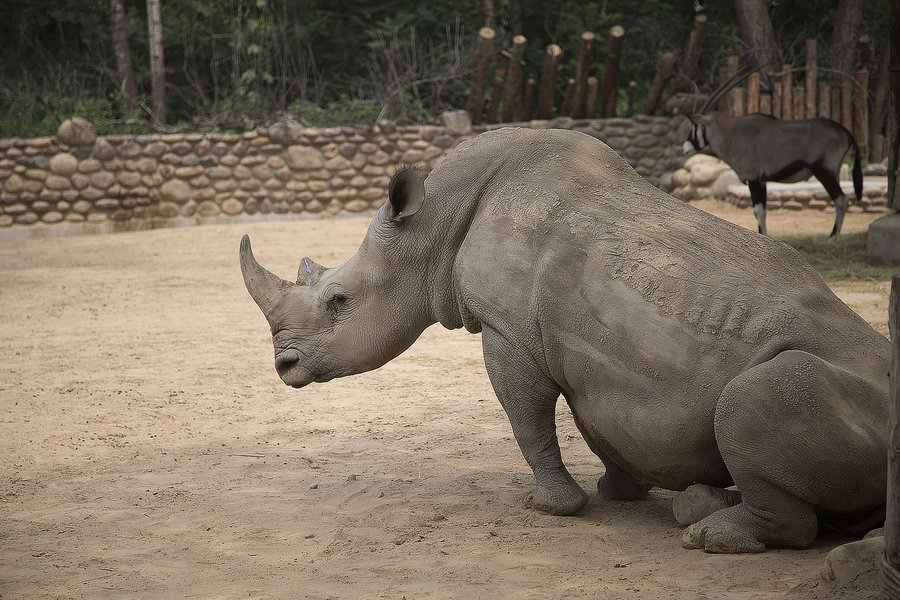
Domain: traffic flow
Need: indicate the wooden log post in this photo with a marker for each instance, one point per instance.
(692, 56)
(878, 117)
(893, 135)
(513, 79)
(632, 92)
(765, 104)
(847, 104)
(776, 98)
(835, 103)
(567, 99)
(528, 99)
(496, 94)
(799, 110)
(590, 98)
(810, 79)
(484, 54)
(753, 93)
(787, 86)
(581, 75)
(548, 81)
(732, 64)
(611, 72)
(861, 111)
(664, 67)
(892, 516)
(825, 100)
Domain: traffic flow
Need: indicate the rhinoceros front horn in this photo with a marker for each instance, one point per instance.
(265, 288)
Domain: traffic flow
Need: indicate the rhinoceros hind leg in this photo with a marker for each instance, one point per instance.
(727, 531)
(699, 501)
(616, 484)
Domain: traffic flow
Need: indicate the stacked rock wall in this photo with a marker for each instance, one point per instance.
(77, 182)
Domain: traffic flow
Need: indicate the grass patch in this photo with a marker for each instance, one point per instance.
(843, 261)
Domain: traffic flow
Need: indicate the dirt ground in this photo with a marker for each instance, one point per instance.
(149, 450)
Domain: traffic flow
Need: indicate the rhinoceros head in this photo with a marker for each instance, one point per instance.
(355, 317)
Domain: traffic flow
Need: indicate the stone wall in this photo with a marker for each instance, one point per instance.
(77, 182)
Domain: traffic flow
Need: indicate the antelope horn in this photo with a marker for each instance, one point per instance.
(730, 83)
(265, 288)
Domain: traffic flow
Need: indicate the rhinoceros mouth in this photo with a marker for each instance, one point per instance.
(289, 365)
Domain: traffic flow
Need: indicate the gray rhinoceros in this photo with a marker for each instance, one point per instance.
(690, 350)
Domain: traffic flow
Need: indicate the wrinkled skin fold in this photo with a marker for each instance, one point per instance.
(690, 351)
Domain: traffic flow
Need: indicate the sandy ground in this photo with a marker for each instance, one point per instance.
(148, 449)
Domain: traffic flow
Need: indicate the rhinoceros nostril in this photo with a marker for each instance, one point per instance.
(285, 360)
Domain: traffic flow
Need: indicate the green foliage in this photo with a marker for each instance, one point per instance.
(235, 64)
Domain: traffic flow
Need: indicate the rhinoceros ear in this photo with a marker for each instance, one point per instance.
(406, 192)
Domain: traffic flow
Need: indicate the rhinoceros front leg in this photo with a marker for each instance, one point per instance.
(529, 398)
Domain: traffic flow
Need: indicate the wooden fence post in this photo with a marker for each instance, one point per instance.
(776, 98)
(664, 67)
(692, 57)
(799, 109)
(765, 104)
(732, 64)
(548, 81)
(581, 75)
(483, 56)
(787, 85)
(753, 93)
(835, 104)
(567, 99)
(892, 516)
(528, 101)
(632, 91)
(496, 94)
(846, 104)
(861, 112)
(611, 72)
(810, 79)
(590, 98)
(825, 100)
(513, 78)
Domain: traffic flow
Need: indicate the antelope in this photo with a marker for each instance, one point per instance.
(762, 148)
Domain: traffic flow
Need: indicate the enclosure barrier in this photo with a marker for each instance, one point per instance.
(77, 182)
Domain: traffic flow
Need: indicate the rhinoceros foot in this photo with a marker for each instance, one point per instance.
(723, 532)
(699, 501)
(557, 500)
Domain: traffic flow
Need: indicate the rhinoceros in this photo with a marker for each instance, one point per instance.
(694, 355)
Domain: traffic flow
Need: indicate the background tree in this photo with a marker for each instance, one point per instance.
(756, 30)
(845, 38)
(123, 54)
(157, 65)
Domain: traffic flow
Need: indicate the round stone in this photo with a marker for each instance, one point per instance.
(77, 132)
(175, 191)
(63, 164)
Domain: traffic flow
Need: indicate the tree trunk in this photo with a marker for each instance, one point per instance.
(845, 35)
(581, 75)
(123, 54)
(157, 68)
(484, 54)
(548, 81)
(756, 31)
(611, 73)
(513, 79)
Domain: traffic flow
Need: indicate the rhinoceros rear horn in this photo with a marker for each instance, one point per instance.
(406, 193)
(265, 288)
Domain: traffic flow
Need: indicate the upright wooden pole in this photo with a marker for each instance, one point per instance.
(836, 103)
(787, 85)
(581, 75)
(548, 81)
(513, 79)
(799, 110)
(611, 72)
(847, 104)
(590, 98)
(632, 92)
(753, 93)
(893, 172)
(732, 64)
(892, 516)
(157, 63)
(810, 79)
(567, 99)
(825, 100)
(692, 56)
(765, 104)
(484, 54)
(664, 67)
(528, 100)
(776, 98)
(496, 94)
(861, 112)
